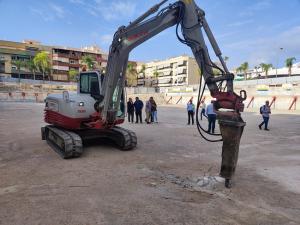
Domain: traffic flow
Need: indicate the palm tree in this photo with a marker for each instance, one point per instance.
(89, 61)
(32, 67)
(19, 64)
(131, 74)
(244, 68)
(73, 74)
(42, 62)
(289, 63)
(266, 67)
(142, 71)
(155, 74)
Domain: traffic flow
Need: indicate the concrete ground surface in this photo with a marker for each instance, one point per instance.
(170, 178)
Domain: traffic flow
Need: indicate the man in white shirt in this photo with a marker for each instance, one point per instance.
(203, 107)
(212, 116)
(190, 107)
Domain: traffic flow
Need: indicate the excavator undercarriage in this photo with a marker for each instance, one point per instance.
(69, 144)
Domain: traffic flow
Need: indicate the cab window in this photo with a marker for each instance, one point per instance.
(89, 81)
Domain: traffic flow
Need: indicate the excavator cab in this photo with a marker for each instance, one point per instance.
(90, 83)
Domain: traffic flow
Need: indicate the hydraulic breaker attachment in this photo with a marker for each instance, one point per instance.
(232, 128)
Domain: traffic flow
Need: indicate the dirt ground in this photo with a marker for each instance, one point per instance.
(170, 178)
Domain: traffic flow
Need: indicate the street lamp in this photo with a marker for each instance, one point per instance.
(278, 60)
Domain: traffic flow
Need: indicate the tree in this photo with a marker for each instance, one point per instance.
(73, 75)
(32, 67)
(155, 74)
(244, 68)
(131, 74)
(266, 67)
(143, 69)
(42, 62)
(89, 61)
(19, 64)
(289, 63)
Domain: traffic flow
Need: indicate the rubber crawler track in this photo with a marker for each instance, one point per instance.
(68, 144)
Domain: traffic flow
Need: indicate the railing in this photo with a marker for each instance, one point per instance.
(269, 81)
(29, 81)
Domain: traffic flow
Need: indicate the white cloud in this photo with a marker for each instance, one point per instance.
(81, 2)
(119, 8)
(58, 10)
(225, 35)
(49, 12)
(240, 23)
(110, 10)
(261, 5)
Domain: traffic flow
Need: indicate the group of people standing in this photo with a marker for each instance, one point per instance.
(209, 113)
(206, 111)
(137, 108)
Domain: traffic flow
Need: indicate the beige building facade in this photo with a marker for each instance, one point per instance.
(176, 71)
(62, 59)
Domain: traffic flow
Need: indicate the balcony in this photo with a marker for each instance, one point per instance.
(59, 63)
(165, 81)
(181, 70)
(58, 55)
(182, 63)
(74, 56)
(141, 82)
(64, 68)
(60, 72)
(141, 76)
(166, 73)
(160, 67)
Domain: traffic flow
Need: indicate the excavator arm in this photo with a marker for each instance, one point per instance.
(190, 19)
(193, 23)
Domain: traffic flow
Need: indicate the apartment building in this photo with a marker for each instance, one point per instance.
(66, 59)
(24, 51)
(176, 71)
(62, 59)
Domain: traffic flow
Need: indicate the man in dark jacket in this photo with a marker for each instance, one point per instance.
(130, 110)
(138, 105)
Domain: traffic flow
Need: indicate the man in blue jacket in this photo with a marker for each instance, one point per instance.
(138, 105)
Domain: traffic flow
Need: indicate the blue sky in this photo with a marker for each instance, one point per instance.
(246, 30)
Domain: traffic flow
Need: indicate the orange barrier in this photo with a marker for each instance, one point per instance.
(273, 101)
(169, 99)
(251, 101)
(293, 103)
(179, 100)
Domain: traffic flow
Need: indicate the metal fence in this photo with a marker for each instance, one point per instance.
(269, 81)
(34, 82)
